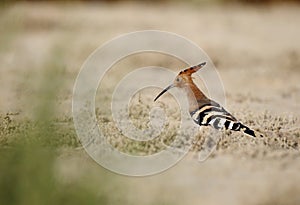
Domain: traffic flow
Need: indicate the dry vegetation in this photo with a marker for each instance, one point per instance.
(256, 50)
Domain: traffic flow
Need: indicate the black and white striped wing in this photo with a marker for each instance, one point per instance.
(216, 116)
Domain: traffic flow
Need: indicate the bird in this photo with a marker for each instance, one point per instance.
(205, 111)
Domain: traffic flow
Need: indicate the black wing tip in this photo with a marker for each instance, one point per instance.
(202, 64)
(254, 133)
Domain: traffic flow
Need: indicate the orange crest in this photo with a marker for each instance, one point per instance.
(189, 71)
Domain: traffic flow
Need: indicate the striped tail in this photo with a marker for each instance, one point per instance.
(244, 129)
(216, 116)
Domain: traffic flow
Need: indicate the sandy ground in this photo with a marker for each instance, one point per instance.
(256, 52)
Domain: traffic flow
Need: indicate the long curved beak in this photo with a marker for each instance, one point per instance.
(165, 90)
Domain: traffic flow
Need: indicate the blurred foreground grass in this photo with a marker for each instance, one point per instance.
(27, 177)
(29, 150)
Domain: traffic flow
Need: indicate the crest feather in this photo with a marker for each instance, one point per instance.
(193, 69)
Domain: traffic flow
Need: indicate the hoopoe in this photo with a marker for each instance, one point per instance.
(204, 111)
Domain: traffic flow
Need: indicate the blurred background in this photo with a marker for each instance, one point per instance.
(255, 47)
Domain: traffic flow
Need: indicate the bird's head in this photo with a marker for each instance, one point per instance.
(183, 79)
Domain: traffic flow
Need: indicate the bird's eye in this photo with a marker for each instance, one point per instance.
(177, 79)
